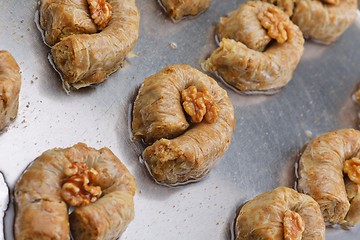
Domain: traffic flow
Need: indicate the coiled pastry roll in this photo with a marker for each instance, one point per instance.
(280, 214)
(83, 55)
(182, 151)
(321, 175)
(244, 58)
(41, 212)
(10, 83)
(321, 20)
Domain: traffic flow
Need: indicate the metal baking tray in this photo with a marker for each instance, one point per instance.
(269, 134)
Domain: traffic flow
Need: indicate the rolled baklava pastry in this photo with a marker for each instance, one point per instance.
(329, 171)
(10, 83)
(92, 37)
(280, 214)
(95, 182)
(323, 20)
(188, 121)
(177, 9)
(259, 50)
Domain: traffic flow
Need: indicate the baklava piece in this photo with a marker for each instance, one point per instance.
(329, 171)
(323, 20)
(10, 83)
(89, 38)
(187, 119)
(259, 50)
(281, 214)
(95, 182)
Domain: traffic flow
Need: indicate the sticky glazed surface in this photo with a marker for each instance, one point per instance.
(83, 55)
(262, 217)
(321, 175)
(10, 83)
(182, 151)
(177, 9)
(41, 212)
(239, 60)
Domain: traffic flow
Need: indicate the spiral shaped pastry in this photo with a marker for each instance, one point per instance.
(86, 53)
(321, 175)
(94, 180)
(177, 9)
(10, 83)
(183, 150)
(245, 59)
(280, 214)
(321, 20)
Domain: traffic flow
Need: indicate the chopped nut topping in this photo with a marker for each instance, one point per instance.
(78, 188)
(294, 226)
(199, 105)
(352, 169)
(101, 12)
(275, 21)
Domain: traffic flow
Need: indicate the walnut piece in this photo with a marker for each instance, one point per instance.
(294, 225)
(352, 169)
(199, 105)
(275, 21)
(78, 187)
(101, 12)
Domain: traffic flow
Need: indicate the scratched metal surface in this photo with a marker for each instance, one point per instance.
(269, 134)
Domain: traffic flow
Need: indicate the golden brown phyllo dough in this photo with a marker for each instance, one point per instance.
(42, 213)
(329, 172)
(177, 9)
(83, 53)
(10, 82)
(246, 59)
(280, 214)
(184, 149)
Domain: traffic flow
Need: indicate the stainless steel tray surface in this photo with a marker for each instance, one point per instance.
(269, 134)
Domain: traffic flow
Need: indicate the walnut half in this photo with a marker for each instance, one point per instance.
(275, 22)
(294, 225)
(101, 12)
(352, 169)
(78, 187)
(199, 105)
